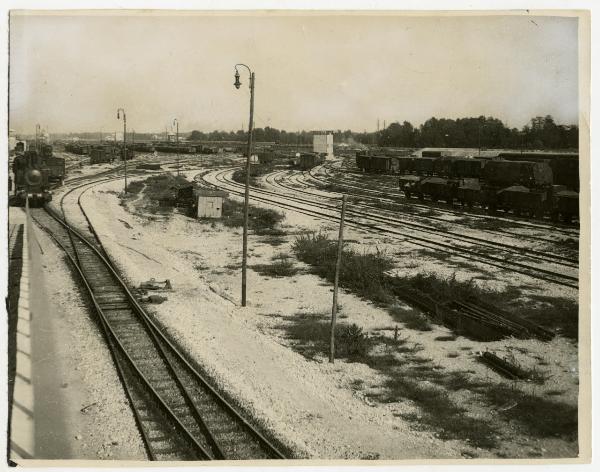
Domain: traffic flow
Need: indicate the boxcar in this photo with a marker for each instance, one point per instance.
(566, 172)
(508, 173)
(100, 155)
(437, 188)
(56, 169)
(466, 168)
(424, 165)
(405, 164)
(521, 200)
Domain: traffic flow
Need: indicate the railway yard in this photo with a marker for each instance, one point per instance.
(457, 332)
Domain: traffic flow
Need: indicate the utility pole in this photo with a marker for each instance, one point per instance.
(338, 263)
(247, 190)
(176, 121)
(124, 141)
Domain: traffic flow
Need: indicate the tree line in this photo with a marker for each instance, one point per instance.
(542, 132)
(485, 132)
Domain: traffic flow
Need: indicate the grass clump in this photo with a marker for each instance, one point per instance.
(256, 170)
(312, 334)
(411, 318)
(135, 187)
(439, 412)
(539, 416)
(161, 188)
(282, 266)
(362, 273)
(263, 221)
(159, 192)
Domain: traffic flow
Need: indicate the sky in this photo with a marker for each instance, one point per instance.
(70, 73)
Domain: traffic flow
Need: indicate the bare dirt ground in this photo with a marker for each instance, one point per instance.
(344, 410)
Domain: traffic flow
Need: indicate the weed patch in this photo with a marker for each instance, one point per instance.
(282, 266)
(411, 318)
(312, 331)
(537, 415)
(439, 412)
(263, 221)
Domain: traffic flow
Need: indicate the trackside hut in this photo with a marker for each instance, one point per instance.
(210, 203)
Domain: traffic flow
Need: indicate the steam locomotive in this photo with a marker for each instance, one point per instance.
(36, 172)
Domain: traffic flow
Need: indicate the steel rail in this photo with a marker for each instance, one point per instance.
(386, 196)
(198, 376)
(165, 343)
(113, 339)
(462, 253)
(534, 254)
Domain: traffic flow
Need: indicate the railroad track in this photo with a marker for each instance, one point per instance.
(409, 220)
(179, 414)
(397, 198)
(363, 220)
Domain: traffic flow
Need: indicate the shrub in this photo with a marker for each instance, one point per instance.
(256, 170)
(260, 220)
(363, 273)
(282, 266)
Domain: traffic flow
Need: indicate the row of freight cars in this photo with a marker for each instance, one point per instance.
(300, 160)
(100, 153)
(36, 172)
(548, 184)
(169, 148)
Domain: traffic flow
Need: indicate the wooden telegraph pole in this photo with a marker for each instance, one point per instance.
(336, 280)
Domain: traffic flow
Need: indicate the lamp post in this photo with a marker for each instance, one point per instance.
(479, 138)
(237, 84)
(176, 121)
(119, 110)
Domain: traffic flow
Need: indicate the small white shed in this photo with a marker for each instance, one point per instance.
(210, 202)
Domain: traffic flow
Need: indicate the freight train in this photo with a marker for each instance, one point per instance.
(36, 172)
(545, 184)
(174, 148)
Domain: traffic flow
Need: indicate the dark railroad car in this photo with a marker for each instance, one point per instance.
(362, 161)
(380, 164)
(101, 155)
(309, 160)
(466, 168)
(56, 169)
(437, 188)
(536, 156)
(469, 193)
(408, 184)
(566, 206)
(431, 154)
(523, 200)
(424, 165)
(443, 167)
(507, 173)
(566, 172)
(405, 164)
(76, 148)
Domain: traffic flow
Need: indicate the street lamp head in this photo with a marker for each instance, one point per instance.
(237, 82)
